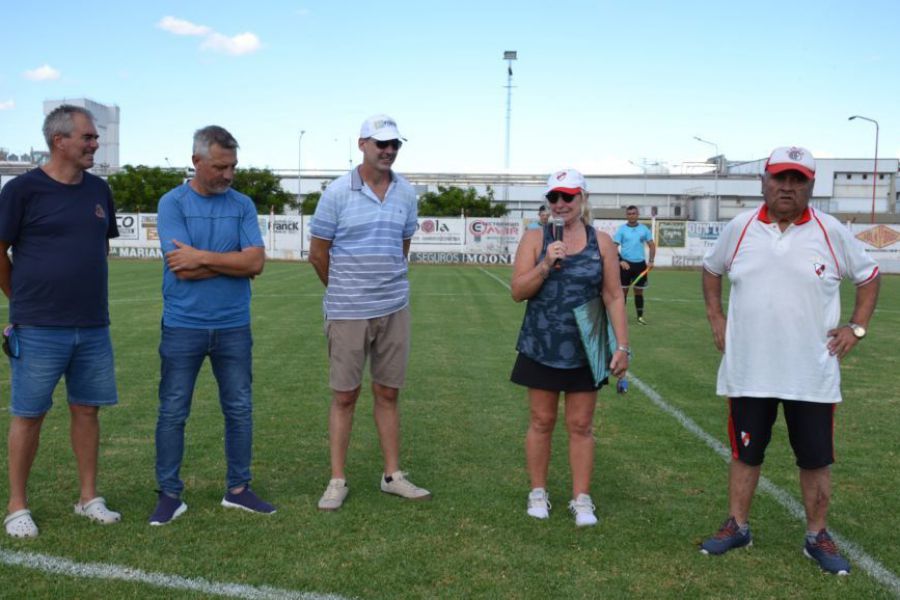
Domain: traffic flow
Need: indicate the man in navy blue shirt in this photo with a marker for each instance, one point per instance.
(58, 219)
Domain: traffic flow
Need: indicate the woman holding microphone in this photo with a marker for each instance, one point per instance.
(557, 268)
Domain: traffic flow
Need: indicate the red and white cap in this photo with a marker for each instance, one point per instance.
(793, 158)
(569, 181)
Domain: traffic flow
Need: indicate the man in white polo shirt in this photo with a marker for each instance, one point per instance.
(361, 233)
(782, 341)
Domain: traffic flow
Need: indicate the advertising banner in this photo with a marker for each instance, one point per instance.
(127, 224)
(434, 231)
(881, 242)
(670, 234)
(493, 235)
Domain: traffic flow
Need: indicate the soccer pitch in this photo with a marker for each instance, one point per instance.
(659, 487)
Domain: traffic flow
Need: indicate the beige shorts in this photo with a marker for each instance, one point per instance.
(384, 339)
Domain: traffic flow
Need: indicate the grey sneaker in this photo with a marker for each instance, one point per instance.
(582, 508)
(334, 495)
(539, 504)
(397, 484)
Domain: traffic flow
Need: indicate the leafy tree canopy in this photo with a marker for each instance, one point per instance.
(453, 202)
(264, 188)
(138, 189)
(310, 201)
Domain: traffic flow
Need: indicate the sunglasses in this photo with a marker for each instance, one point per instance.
(382, 144)
(554, 197)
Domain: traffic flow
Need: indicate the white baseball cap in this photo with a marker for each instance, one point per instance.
(381, 128)
(569, 181)
(791, 158)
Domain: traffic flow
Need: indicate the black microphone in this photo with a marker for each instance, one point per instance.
(558, 226)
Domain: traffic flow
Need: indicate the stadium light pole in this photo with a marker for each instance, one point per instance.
(508, 56)
(875, 166)
(718, 158)
(299, 161)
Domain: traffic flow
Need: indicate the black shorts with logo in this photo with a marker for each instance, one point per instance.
(810, 430)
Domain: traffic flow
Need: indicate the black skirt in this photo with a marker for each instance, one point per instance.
(533, 374)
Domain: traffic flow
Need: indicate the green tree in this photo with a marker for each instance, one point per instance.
(138, 189)
(310, 201)
(264, 188)
(453, 202)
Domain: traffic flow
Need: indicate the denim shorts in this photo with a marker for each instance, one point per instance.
(83, 354)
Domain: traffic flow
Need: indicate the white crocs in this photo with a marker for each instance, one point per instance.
(96, 510)
(20, 524)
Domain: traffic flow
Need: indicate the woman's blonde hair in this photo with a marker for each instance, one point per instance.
(585, 208)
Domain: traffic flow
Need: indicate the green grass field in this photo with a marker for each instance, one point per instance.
(658, 488)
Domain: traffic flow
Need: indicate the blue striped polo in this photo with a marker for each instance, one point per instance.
(367, 271)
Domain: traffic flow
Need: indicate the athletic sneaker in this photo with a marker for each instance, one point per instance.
(642, 321)
(824, 551)
(397, 484)
(727, 538)
(539, 504)
(334, 495)
(247, 500)
(582, 508)
(167, 509)
(622, 386)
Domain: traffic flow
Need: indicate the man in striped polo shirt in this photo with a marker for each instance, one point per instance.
(361, 233)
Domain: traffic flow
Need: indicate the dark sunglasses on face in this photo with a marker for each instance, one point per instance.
(554, 197)
(382, 144)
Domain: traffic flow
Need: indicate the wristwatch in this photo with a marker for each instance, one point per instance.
(858, 330)
(625, 349)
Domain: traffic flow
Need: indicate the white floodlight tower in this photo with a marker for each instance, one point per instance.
(299, 161)
(508, 56)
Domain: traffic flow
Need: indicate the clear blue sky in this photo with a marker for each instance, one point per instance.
(597, 83)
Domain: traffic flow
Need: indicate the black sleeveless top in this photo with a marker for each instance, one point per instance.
(549, 334)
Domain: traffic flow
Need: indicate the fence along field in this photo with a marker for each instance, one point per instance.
(658, 488)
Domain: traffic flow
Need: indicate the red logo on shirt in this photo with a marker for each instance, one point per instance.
(820, 270)
(98, 210)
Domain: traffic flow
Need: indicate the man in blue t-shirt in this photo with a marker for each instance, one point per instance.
(543, 217)
(212, 244)
(58, 219)
(631, 237)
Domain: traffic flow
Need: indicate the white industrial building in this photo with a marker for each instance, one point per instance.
(106, 120)
(843, 187)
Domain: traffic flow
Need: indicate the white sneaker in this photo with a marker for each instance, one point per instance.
(582, 508)
(399, 485)
(96, 510)
(334, 495)
(539, 504)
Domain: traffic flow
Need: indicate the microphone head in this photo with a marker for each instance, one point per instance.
(558, 226)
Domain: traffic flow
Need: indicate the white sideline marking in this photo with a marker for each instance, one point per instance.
(62, 566)
(868, 564)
